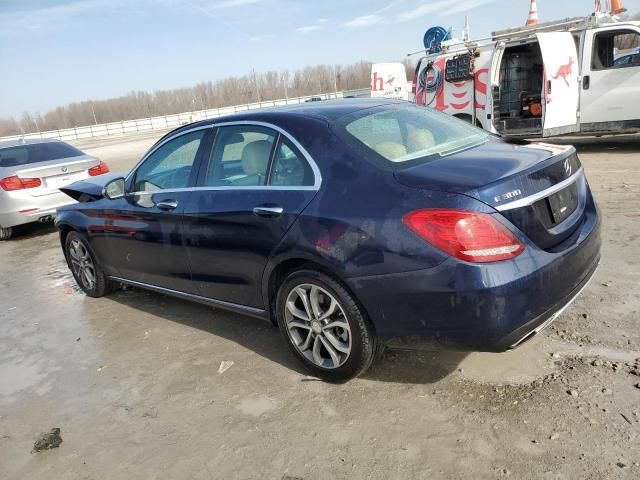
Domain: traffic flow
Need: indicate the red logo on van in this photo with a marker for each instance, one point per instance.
(565, 71)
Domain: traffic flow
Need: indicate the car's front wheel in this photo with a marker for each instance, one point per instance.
(5, 233)
(324, 326)
(86, 271)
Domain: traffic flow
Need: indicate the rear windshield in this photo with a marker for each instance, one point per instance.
(35, 153)
(403, 135)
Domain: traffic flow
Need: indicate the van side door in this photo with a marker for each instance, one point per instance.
(493, 97)
(610, 79)
(560, 92)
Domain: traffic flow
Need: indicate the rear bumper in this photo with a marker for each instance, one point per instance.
(19, 211)
(530, 329)
(480, 307)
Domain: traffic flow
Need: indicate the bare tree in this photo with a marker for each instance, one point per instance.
(271, 85)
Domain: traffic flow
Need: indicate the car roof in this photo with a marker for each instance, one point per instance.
(331, 109)
(27, 141)
(326, 110)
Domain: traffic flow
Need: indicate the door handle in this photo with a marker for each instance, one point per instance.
(167, 204)
(268, 211)
(586, 82)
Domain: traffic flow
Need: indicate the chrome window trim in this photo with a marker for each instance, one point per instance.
(531, 199)
(314, 167)
(241, 188)
(157, 146)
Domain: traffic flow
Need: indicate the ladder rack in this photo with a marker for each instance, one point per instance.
(523, 32)
(563, 25)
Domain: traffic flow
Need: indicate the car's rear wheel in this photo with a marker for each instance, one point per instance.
(5, 233)
(86, 271)
(324, 326)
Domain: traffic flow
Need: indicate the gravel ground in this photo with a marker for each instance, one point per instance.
(145, 386)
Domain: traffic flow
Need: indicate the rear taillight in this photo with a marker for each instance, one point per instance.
(414, 84)
(16, 183)
(99, 169)
(469, 236)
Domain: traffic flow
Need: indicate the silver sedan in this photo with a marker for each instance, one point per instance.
(31, 174)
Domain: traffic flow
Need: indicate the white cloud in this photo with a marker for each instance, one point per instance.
(391, 6)
(374, 18)
(466, 5)
(308, 28)
(53, 17)
(236, 3)
(364, 21)
(314, 27)
(61, 16)
(420, 11)
(390, 13)
(441, 8)
(212, 9)
(260, 38)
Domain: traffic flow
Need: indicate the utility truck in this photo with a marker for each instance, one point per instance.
(550, 79)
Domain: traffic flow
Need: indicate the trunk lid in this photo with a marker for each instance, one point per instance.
(55, 174)
(540, 188)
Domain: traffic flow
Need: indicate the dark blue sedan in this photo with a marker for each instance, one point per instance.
(354, 225)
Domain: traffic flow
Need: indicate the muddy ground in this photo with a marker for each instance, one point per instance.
(133, 380)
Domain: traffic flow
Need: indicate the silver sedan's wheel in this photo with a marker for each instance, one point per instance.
(318, 326)
(82, 264)
(5, 233)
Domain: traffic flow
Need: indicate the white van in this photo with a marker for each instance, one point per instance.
(389, 80)
(551, 79)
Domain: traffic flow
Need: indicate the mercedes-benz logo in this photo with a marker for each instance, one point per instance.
(567, 167)
(64, 169)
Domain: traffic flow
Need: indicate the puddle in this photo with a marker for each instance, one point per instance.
(531, 361)
(59, 277)
(15, 377)
(256, 406)
(521, 366)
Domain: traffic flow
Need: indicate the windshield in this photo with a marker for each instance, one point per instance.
(406, 134)
(36, 153)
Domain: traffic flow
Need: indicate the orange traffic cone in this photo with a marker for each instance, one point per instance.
(533, 14)
(617, 8)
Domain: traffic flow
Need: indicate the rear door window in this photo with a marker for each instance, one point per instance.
(240, 156)
(35, 153)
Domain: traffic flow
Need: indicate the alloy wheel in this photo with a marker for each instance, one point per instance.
(82, 264)
(318, 326)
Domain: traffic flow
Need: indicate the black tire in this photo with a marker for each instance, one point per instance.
(5, 233)
(101, 285)
(361, 336)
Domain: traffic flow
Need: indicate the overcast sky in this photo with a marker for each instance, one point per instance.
(53, 52)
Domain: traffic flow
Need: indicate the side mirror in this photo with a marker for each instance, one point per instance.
(114, 189)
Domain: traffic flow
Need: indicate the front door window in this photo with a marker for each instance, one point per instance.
(170, 166)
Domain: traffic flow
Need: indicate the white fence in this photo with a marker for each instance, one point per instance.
(170, 121)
